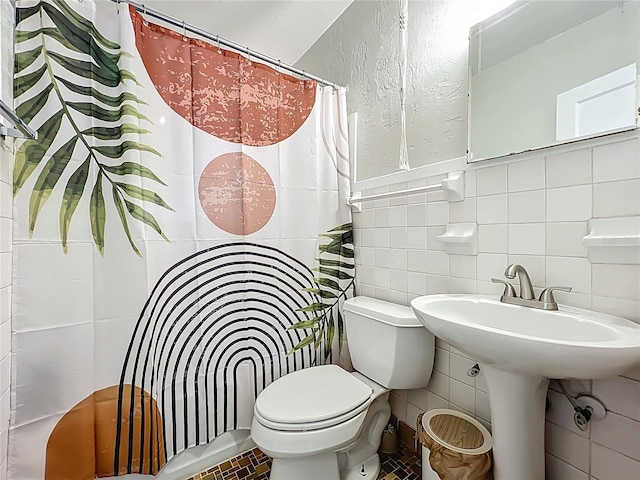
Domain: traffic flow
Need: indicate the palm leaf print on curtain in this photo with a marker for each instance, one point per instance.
(128, 348)
(336, 280)
(81, 72)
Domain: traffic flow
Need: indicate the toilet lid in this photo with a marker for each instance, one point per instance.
(312, 395)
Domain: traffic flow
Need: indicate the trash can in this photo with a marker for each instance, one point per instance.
(455, 446)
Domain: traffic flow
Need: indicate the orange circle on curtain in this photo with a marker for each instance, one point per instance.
(222, 92)
(237, 194)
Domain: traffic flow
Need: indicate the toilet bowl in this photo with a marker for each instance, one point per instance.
(324, 423)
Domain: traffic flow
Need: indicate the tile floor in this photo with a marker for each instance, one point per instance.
(403, 465)
(255, 465)
(251, 465)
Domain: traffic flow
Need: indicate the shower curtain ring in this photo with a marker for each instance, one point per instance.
(248, 55)
(184, 32)
(218, 42)
(279, 67)
(144, 15)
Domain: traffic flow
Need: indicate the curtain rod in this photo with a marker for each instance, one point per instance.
(141, 8)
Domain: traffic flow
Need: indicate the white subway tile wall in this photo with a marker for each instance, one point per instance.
(571, 448)
(610, 164)
(522, 176)
(533, 212)
(6, 231)
(616, 199)
(492, 209)
(556, 468)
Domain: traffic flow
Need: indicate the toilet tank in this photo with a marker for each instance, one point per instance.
(388, 344)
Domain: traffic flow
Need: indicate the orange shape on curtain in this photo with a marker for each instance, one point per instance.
(237, 194)
(222, 92)
(82, 444)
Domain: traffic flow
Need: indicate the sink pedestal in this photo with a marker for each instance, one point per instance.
(517, 422)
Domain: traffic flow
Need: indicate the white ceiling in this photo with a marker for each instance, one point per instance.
(282, 29)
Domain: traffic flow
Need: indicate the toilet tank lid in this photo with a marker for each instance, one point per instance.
(386, 312)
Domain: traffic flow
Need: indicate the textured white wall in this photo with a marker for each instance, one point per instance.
(361, 50)
(6, 230)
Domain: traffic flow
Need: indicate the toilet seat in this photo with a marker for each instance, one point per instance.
(311, 399)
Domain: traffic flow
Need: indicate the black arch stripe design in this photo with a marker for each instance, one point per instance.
(193, 256)
(215, 337)
(298, 335)
(163, 377)
(210, 291)
(164, 358)
(273, 342)
(295, 333)
(182, 371)
(262, 302)
(225, 395)
(265, 350)
(301, 283)
(235, 264)
(212, 355)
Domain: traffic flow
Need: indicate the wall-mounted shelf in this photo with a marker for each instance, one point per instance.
(614, 240)
(460, 238)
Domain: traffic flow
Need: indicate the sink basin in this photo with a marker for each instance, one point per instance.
(567, 343)
(519, 349)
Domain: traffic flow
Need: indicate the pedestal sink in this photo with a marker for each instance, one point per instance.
(519, 350)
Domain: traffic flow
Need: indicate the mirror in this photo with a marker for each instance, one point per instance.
(543, 73)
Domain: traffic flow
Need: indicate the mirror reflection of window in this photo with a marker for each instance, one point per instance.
(547, 72)
(604, 104)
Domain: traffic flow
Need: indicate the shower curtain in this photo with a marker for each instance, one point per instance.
(181, 239)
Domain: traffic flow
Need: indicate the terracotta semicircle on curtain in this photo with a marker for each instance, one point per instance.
(82, 444)
(221, 92)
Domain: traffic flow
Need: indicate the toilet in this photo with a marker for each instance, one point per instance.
(324, 423)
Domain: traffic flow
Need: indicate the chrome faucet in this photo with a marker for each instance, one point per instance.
(526, 289)
(527, 297)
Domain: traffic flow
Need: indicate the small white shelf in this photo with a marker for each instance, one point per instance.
(614, 240)
(460, 238)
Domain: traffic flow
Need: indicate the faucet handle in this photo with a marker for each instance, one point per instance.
(547, 294)
(509, 290)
